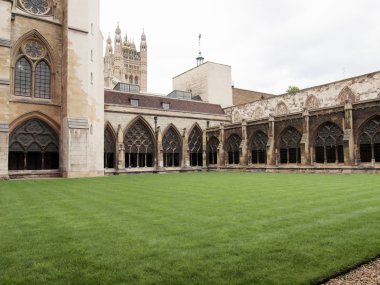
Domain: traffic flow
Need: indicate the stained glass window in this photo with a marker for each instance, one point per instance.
(23, 78)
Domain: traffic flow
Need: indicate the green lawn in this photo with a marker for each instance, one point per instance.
(199, 228)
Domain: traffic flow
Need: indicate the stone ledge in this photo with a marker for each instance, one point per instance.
(5, 43)
(4, 127)
(4, 81)
(78, 123)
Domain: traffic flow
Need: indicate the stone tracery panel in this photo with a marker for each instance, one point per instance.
(233, 147)
(212, 150)
(329, 144)
(109, 148)
(139, 146)
(33, 146)
(259, 146)
(171, 144)
(281, 109)
(369, 141)
(195, 142)
(290, 151)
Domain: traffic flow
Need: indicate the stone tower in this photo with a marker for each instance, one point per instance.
(51, 85)
(123, 63)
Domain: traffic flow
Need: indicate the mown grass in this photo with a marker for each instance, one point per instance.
(200, 228)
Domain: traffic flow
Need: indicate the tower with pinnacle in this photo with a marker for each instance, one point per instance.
(124, 63)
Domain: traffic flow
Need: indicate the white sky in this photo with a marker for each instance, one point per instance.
(270, 44)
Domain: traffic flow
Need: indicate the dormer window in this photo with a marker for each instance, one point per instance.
(165, 106)
(134, 102)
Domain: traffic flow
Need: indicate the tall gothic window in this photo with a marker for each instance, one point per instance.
(233, 145)
(369, 141)
(23, 78)
(139, 146)
(195, 147)
(33, 146)
(32, 71)
(329, 144)
(212, 150)
(109, 149)
(171, 145)
(290, 151)
(259, 148)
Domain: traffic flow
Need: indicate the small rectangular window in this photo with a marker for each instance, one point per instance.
(165, 106)
(134, 102)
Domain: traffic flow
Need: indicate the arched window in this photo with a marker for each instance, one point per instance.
(329, 144)
(233, 145)
(131, 79)
(195, 147)
(171, 145)
(139, 146)
(136, 80)
(259, 148)
(42, 81)
(23, 78)
(212, 150)
(33, 146)
(369, 141)
(32, 75)
(290, 151)
(109, 149)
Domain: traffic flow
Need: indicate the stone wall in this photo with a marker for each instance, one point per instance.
(357, 89)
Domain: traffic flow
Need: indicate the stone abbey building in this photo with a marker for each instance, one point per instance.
(68, 111)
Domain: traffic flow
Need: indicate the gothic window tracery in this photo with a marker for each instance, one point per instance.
(281, 109)
(195, 147)
(171, 145)
(369, 141)
(33, 146)
(212, 150)
(312, 102)
(259, 148)
(36, 7)
(139, 146)
(109, 149)
(233, 146)
(32, 77)
(290, 151)
(329, 144)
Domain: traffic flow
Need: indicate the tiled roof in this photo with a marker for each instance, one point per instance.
(155, 102)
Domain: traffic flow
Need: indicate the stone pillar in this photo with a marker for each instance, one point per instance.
(160, 152)
(4, 145)
(348, 139)
(271, 149)
(221, 153)
(243, 146)
(120, 149)
(185, 162)
(305, 141)
(204, 148)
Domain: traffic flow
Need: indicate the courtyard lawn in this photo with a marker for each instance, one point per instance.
(198, 228)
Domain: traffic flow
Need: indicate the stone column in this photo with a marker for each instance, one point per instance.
(271, 150)
(160, 153)
(120, 149)
(185, 162)
(243, 146)
(348, 139)
(204, 148)
(221, 158)
(4, 146)
(305, 141)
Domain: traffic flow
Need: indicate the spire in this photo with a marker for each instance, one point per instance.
(117, 34)
(143, 36)
(200, 58)
(143, 42)
(109, 48)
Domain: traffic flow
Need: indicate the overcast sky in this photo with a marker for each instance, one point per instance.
(270, 44)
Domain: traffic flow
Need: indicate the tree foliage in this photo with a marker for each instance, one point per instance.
(292, 89)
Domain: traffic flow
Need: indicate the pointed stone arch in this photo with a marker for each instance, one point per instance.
(195, 143)
(346, 95)
(232, 148)
(258, 147)
(212, 150)
(281, 109)
(139, 144)
(35, 115)
(328, 143)
(312, 102)
(172, 146)
(110, 140)
(368, 140)
(33, 145)
(289, 146)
